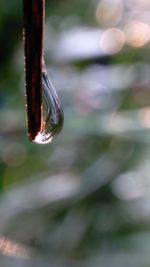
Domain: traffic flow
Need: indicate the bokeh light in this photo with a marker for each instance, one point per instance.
(144, 116)
(109, 12)
(140, 4)
(137, 33)
(112, 41)
(13, 249)
(129, 186)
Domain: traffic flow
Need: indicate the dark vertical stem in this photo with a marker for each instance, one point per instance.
(33, 39)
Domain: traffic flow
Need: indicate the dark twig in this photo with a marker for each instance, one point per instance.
(33, 39)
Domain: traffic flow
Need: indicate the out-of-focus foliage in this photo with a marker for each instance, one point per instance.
(83, 200)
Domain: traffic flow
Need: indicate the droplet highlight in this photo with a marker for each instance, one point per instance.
(52, 112)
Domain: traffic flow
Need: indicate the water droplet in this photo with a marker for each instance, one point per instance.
(52, 113)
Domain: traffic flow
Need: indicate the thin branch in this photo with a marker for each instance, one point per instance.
(33, 39)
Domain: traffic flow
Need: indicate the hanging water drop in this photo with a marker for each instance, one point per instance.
(52, 113)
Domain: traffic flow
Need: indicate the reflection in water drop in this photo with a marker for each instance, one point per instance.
(52, 113)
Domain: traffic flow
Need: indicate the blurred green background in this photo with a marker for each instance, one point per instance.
(83, 200)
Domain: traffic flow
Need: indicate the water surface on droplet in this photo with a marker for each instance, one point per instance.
(52, 113)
